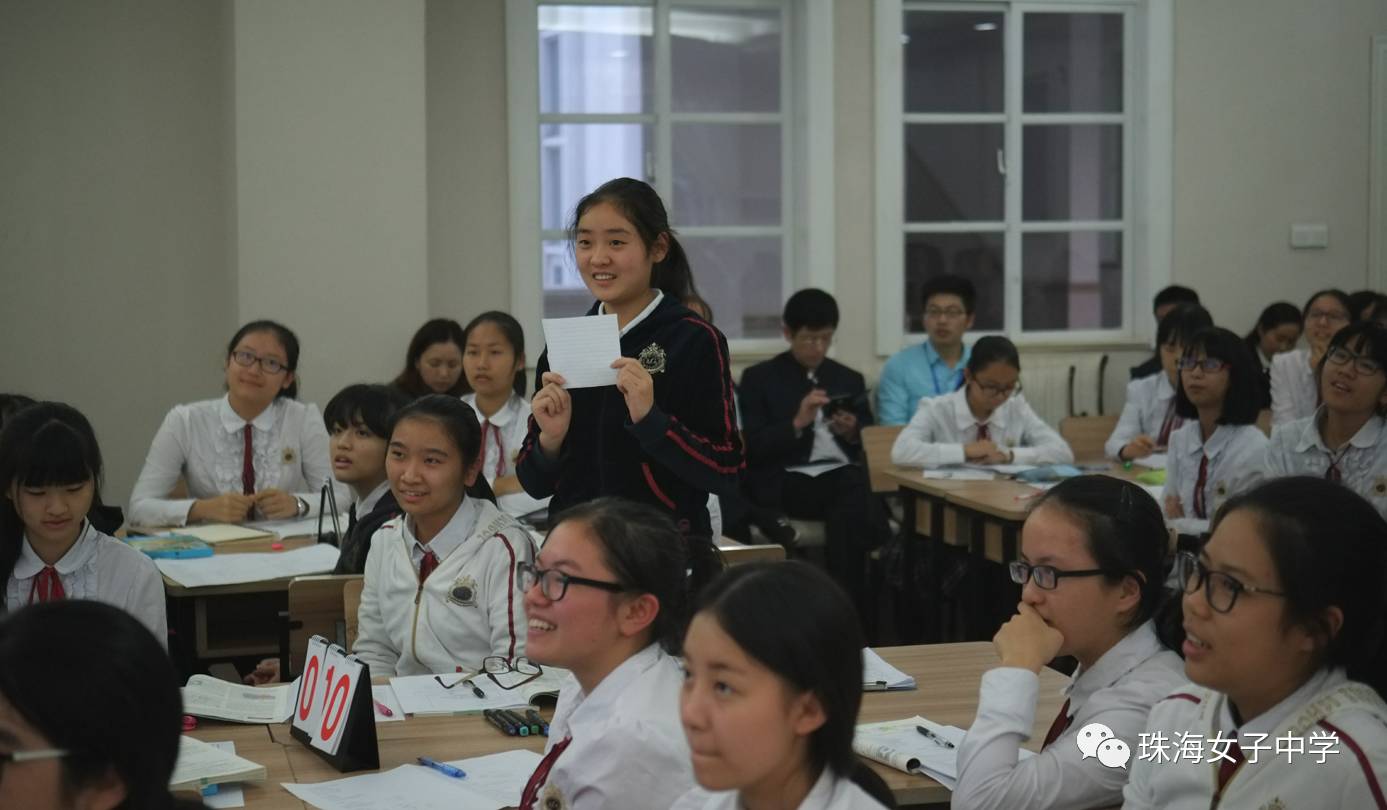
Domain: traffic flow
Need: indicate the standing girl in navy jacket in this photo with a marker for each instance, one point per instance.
(666, 433)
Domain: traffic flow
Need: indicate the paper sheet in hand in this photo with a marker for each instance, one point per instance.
(206, 696)
(500, 777)
(583, 349)
(216, 532)
(408, 787)
(201, 763)
(234, 569)
(879, 676)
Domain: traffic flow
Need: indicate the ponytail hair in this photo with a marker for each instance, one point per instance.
(641, 206)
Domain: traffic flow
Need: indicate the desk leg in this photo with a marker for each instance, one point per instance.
(909, 607)
(937, 557)
(980, 601)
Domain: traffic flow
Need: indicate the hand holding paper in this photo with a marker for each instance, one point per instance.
(636, 385)
(583, 349)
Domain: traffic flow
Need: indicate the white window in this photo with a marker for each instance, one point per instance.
(708, 102)
(1025, 146)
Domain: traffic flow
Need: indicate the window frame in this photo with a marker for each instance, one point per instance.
(807, 181)
(1146, 222)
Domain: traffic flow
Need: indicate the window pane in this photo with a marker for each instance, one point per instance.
(565, 294)
(953, 61)
(951, 173)
(726, 174)
(595, 59)
(1073, 63)
(725, 61)
(975, 256)
(1072, 172)
(577, 158)
(1071, 280)
(741, 279)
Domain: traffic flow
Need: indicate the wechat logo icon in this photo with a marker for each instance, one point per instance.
(1097, 740)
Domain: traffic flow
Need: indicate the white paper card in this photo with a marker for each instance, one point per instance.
(877, 675)
(583, 349)
(235, 569)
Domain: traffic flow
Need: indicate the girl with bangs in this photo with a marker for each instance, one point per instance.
(50, 477)
(1219, 451)
(1344, 440)
(1292, 374)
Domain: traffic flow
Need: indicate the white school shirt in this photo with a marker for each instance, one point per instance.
(628, 749)
(1351, 778)
(502, 434)
(1236, 457)
(1297, 448)
(1118, 692)
(204, 442)
(941, 427)
(829, 793)
(100, 568)
(1149, 399)
(1294, 394)
(469, 608)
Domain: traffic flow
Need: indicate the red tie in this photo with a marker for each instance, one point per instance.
(1199, 510)
(247, 467)
(541, 774)
(1226, 769)
(1333, 473)
(1061, 725)
(47, 586)
(982, 433)
(500, 448)
(1171, 423)
(426, 565)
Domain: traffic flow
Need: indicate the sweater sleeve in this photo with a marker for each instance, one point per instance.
(918, 446)
(373, 638)
(150, 504)
(506, 602)
(537, 472)
(700, 442)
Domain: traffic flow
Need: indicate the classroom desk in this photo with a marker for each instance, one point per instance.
(947, 676)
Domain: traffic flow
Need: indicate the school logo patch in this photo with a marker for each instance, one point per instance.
(1380, 485)
(463, 592)
(1221, 489)
(652, 358)
(551, 798)
(289, 456)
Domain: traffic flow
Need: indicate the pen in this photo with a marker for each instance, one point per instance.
(538, 721)
(500, 722)
(476, 690)
(517, 721)
(938, 740)
(384, 709)
(874, 686)
(443, 768)
(534, 726)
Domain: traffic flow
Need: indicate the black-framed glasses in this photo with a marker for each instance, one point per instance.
(1208, 365)
(1341, 356)
(1046, 577)
(247, 359)
(508, 674)
(935, 313)
(1004, 391)
(554, 583)
(1220, 590)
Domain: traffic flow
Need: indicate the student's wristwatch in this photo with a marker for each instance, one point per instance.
(302, 509)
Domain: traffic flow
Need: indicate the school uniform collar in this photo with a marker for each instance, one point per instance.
(1365, 439)
(504, 415)
(235, 424)
(1112, 666)
(1223, 436)
(1164, 390)
(29, 564)
(964, 418)
(368, 503)
(645, 313)
(595, 707)
(454, 534)
(1269, 721)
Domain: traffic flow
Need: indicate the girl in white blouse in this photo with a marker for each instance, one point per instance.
(256, 453)
(608, 599)
(987, 421)
(50, 472)
(1148, 417)
(1346, 439)
(772, 686)
(1219, 450)
(1285, 612)
(1293, 389)
(1092, 577)
(494, 360)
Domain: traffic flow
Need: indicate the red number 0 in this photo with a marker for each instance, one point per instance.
(310, 680)
(340, 689)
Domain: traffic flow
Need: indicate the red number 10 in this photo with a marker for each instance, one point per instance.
(310, 682)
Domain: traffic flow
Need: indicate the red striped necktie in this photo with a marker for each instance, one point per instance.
(247, 465)
(1334, 473)
(983, 434)
(1061, 725)
(541, 774)
(426, 565)
(500, 448)
(1170, 423)
(47, 587)
(1226, 769)
(1199, 509)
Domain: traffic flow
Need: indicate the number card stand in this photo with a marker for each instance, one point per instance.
(333, 714)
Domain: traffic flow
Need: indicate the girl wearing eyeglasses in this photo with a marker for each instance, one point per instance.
(1218, 452)
(255, 453)
(608, 600)
(1148, 416)
(1285, 612)
(1294, 392)
(1346, 439)
(440, 590)
(987, 421)
(1092, 574)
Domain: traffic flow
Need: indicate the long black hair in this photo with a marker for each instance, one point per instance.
(1241, 402)
(514, 334)
(642, 207)
(45, 444)
(648, 554)
(459, 421)
(286, 338)
(96, 683)
(1278, 314)
(438, 330)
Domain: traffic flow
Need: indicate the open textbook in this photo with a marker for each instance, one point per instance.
(899, 744)
(201, 764)
(206, 696)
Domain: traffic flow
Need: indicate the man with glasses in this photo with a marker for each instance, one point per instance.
(935, 367)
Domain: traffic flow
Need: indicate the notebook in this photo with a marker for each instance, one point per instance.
(201, 764)
(879, 676)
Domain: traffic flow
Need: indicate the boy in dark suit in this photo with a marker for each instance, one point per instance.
(803, 414)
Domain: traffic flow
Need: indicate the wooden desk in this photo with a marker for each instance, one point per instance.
(947, 676)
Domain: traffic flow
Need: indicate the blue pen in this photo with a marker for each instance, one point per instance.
(443, 768)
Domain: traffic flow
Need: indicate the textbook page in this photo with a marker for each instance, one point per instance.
(408, 787)
(206, 696)
(227, 795)
(898, 744)
(201, 763)
(235, 569)
(877, 675)
(583, 349)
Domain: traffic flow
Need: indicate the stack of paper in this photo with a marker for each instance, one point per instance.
(234, 569)
(201, 764)
(879, 676)
(206, 696)
(492, 782)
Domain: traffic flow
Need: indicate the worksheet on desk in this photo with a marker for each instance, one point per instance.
(237, 569)
(408, 787)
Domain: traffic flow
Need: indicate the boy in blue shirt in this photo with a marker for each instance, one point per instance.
(935, 367)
